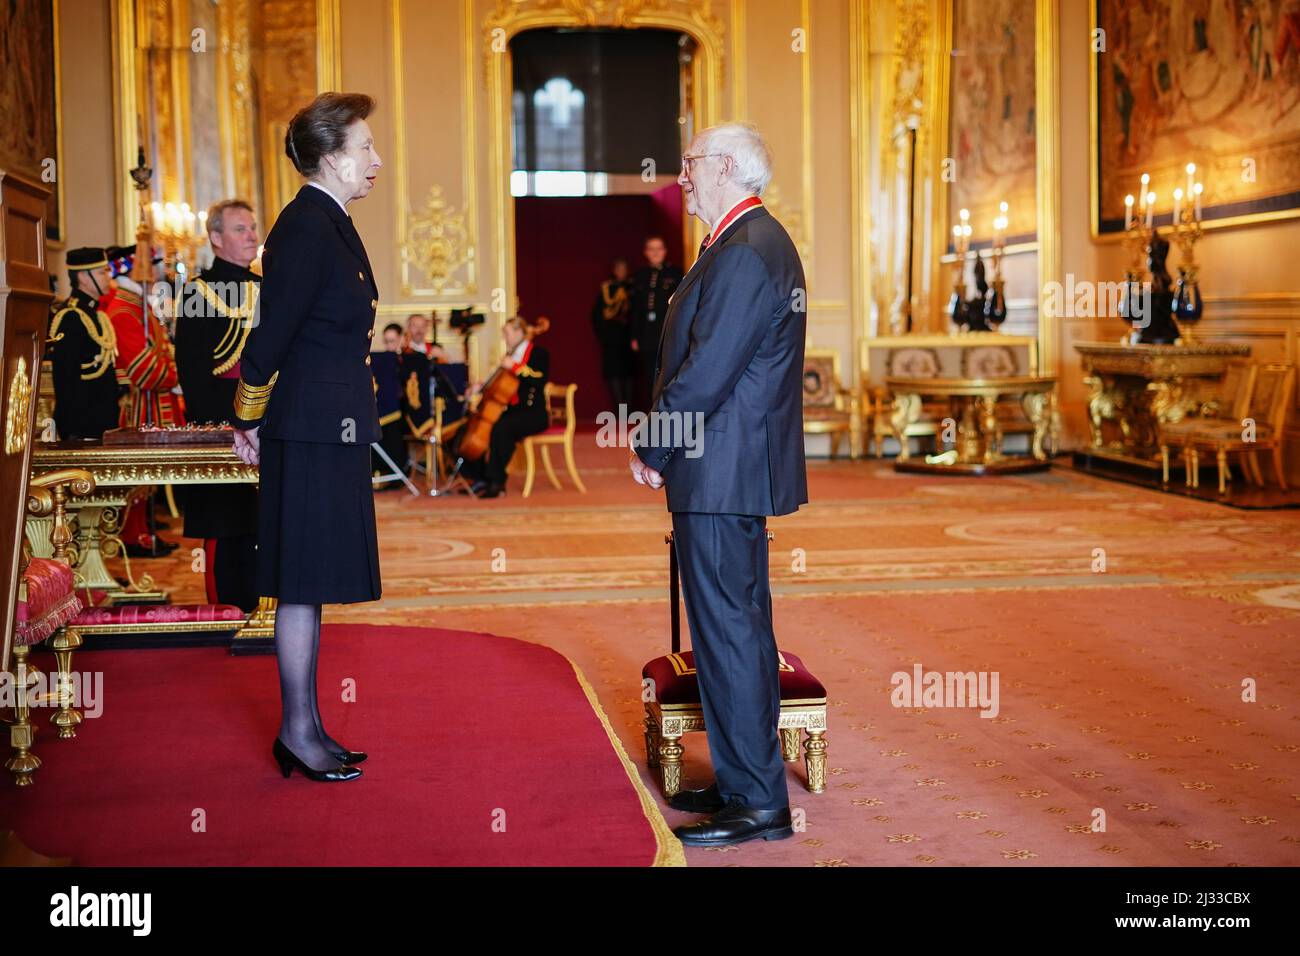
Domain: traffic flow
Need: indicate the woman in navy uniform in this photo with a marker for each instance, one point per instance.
(526, 414)
(305, 409)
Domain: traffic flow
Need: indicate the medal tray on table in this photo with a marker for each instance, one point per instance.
(189, 435)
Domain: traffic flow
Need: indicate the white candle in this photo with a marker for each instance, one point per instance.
(1128, 211)
(1191, 178)
(1196, 192)
(1178, 204)
(1146, 179)
(1151, 207)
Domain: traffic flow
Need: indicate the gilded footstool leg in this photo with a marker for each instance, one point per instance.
(789, 743)
(23, 763)
(670, 764)
(815, 760)
(67, 718)
(651, 742)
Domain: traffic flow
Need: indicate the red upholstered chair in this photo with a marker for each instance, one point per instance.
(673, 705)
(47, 607)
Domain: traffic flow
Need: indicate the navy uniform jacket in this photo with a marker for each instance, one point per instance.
(81, 351)
(387, 371)
(732, 351)
(648, 304)
(305, 372)
(211, 334)
(210, 337)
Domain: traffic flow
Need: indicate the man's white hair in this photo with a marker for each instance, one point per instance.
(746, 146)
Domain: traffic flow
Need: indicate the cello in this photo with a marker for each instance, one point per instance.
(495, 397)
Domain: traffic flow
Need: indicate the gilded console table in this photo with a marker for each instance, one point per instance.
(118, 471)
(1137, 388)
(978, 429)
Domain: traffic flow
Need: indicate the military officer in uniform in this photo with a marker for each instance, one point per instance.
(83, 350)
(386, 367)
(213, 320)
(305, 412)
(651, 288)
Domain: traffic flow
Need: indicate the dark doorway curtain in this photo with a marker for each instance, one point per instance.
(563, 248)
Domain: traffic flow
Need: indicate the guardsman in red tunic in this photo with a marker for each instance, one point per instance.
(146, 362)
(146, 367)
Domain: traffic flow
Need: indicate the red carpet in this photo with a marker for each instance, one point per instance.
(464, 730)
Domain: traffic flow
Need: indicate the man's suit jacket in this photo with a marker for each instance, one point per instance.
(732, 349)
(315, 322)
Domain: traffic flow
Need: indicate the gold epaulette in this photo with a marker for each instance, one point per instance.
(528, 371)
(251, 400)
(100, 330)
(231, 346)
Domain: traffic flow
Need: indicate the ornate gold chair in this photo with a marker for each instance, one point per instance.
(564, 424)
(1263, 429)
(671, 693)
(1231, 404)
(47, 608)
(828, 407)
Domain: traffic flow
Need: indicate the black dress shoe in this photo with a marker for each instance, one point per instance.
(348, 756)
(707, 800)
(737, 823)
(492, 491)
(289, 762)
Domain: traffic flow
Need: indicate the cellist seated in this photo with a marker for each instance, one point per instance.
(526, 412)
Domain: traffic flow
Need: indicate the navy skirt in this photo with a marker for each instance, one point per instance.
(316, 525)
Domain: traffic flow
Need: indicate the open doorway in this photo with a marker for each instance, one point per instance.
(599, 119)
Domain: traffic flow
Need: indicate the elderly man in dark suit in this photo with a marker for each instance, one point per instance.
(732, 357)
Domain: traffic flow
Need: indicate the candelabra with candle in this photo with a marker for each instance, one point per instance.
(180, 232)
(995, 305)
(961, 245)
(1188, 305)
(1137, 236)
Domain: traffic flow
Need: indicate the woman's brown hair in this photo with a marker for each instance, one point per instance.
(321, 128)
(531, 329)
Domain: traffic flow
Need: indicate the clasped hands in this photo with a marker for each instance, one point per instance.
(248, 446)
(643, 474)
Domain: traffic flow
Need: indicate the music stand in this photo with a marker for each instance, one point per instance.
(395, 473)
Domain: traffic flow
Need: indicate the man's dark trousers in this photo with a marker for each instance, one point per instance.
(723, 562)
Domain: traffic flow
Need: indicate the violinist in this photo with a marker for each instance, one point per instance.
(526, 413)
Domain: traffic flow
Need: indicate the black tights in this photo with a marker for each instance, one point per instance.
(297, 647)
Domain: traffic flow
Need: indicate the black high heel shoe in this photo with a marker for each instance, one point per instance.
(289, 762)
(348, 756)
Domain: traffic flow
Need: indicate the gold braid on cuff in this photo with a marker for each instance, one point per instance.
(251, 400)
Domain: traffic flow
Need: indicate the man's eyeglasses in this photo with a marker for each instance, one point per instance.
(688, 160)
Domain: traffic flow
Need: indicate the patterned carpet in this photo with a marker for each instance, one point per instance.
(1122, 624)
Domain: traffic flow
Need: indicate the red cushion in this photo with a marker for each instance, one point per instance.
(51, 601)
(160, 614)
(555, 430)
(676, 685)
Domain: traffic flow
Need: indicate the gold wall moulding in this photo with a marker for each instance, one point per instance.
(438, 243)
(695, 17)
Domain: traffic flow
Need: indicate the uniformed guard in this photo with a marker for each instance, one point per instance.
(145, 362)
(83, 349)
(386, 368)
(214, 317)
(416, 409)
(652, 286)
(609, 320)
